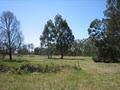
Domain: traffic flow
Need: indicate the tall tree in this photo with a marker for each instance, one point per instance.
(64, 36)
(11, 35)
(48, 37)
(112, 14)
(97, 32)
(57, 34)
(106, 33)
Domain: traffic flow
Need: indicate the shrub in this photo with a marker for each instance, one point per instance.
(4, 68)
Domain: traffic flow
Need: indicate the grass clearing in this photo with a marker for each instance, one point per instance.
(92, 76)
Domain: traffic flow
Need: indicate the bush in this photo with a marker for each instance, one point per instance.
(38, 68)
(106, 60)
(30, 68)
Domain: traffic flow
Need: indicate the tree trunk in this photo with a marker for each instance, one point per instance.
(48, 51)
(10, 54)
(48, 54)
(48, 57)
(10, 49)
(10, 57)
(61, 53)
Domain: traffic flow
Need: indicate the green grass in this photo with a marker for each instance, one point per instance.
(93, 76)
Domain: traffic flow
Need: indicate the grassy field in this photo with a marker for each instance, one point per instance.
(91, 76)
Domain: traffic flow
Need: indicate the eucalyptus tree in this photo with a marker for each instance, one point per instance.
(48, 37)
(106, 33)
(64, 35)
(97, 32)
(112, 14)
(57, 34)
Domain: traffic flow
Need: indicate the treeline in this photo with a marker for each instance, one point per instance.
(83, 47)
(57, 39)
(104, 36)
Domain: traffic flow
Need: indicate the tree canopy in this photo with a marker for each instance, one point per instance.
(58, 34)
(106, 33)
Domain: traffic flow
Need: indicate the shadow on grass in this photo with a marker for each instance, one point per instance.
(74, 59)
(14, 60)
(68, 59)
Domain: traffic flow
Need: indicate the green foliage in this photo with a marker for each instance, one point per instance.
(48, 37)
(97, 32)
(23, 50)
(37, 51)
(64, 38)
(106, 34)
(112, 14)
(57, 34)
(84, 47)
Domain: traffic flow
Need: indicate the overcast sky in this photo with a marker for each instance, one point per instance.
(33, 15)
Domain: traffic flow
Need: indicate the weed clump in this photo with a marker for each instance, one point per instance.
(31, 68)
